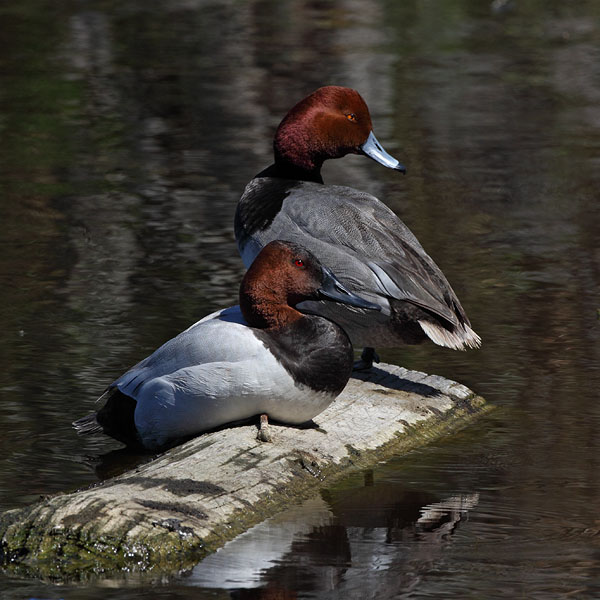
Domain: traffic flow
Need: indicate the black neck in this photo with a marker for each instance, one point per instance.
(285, 170)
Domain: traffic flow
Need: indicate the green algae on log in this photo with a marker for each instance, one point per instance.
(169, 513)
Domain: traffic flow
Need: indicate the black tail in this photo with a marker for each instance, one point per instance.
(115, 418)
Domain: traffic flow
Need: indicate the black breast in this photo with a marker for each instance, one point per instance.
(314, 351)
(260, 204)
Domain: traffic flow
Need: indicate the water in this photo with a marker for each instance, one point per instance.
(128, 133)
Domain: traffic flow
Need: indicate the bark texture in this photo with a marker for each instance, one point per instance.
(171, 512)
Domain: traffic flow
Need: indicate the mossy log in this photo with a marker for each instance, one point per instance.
(169, 513)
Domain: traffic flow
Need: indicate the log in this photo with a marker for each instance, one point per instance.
(169, 513)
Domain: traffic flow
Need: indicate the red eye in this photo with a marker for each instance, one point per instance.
(351, 117)
(299, 262)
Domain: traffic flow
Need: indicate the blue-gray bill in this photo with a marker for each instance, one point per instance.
(373, 149)
(332, 289)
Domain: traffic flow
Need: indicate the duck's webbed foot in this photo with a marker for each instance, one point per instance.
(264, 433)
(367, 358)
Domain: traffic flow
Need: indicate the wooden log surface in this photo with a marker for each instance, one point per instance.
(169, 513)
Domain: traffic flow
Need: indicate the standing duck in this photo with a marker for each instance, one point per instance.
(262, 357)
(371, 250)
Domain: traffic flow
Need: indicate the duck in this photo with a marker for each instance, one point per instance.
(374, 254)
(262, 357)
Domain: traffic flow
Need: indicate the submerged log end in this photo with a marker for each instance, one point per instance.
(169, 513)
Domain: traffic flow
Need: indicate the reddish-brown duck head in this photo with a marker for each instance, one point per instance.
(283, 275)
(329, 123)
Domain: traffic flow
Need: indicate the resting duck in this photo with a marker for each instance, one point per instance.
(372, 251)
(261, 357)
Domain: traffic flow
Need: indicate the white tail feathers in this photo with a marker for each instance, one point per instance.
(461, 339)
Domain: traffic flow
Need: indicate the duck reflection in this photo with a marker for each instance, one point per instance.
(378, 538)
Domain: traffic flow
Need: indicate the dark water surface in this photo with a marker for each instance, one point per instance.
(129, 130)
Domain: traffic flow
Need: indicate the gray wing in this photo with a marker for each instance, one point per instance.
(365, 244)
(222, 336)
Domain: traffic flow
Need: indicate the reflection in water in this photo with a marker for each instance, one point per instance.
(379, 538)
(129, 131)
